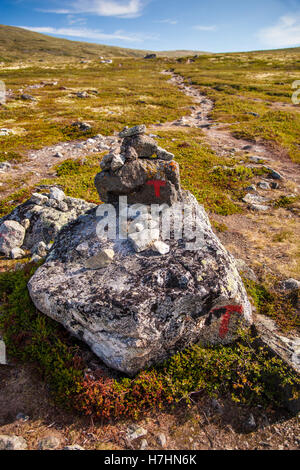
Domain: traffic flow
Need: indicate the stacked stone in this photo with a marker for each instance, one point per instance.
(137, 170)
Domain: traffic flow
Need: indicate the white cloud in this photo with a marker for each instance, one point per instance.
(72, 19)
(118, 8)
(167, 21)
(205, 28)
(283, 34)
(92, 34)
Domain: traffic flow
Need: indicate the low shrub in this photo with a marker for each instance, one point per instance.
(247, 374)
(280, 306)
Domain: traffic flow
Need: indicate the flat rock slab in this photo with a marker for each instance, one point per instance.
(143, 307)
(285, 347)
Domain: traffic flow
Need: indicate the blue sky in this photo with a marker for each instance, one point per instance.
(214, 25)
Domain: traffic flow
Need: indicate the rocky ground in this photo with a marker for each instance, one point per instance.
(27, 410)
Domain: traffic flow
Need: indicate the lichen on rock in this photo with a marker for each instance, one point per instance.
(137, 305)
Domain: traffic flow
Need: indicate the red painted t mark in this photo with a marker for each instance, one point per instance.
(157, 185)
(229, 310)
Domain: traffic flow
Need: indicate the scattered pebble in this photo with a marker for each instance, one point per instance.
(5, 166)
(74, 447)
(290, 284)
(135, 432)
(264, 185)
(12, 443)
(161, 247)
(49, 443)
(161, 439)
(144, 444)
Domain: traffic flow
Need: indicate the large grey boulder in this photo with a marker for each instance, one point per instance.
(141, 307)
(39, 220)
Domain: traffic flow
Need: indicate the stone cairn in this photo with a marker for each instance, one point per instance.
(141, 170)
(146, 174)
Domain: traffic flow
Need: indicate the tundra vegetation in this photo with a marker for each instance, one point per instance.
(252, 96)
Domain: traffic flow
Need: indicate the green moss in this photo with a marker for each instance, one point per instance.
(13, 157)
(76, 177)
(8, 203)
(285, 201)
(281, 307)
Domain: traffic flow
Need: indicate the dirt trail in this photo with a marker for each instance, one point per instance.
(249, 235)
(40, 163)
(220, 137)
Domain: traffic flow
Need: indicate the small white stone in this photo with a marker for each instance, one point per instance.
(17, 253)
(12, 443)
(35, 259)
(161, 439)
(136, 432)
(254, 199)
(83, 248)
(144, 444)
(38, 199)
(2, 352)
(25, 223)
(143, 240)
(57, 194)
(5, 166)
(12, 235)
(161, 247)
(264, 185)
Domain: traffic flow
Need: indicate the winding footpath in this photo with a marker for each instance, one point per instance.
(220, 138)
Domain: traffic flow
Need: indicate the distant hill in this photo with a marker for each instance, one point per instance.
(180, 53)
(18, 43)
